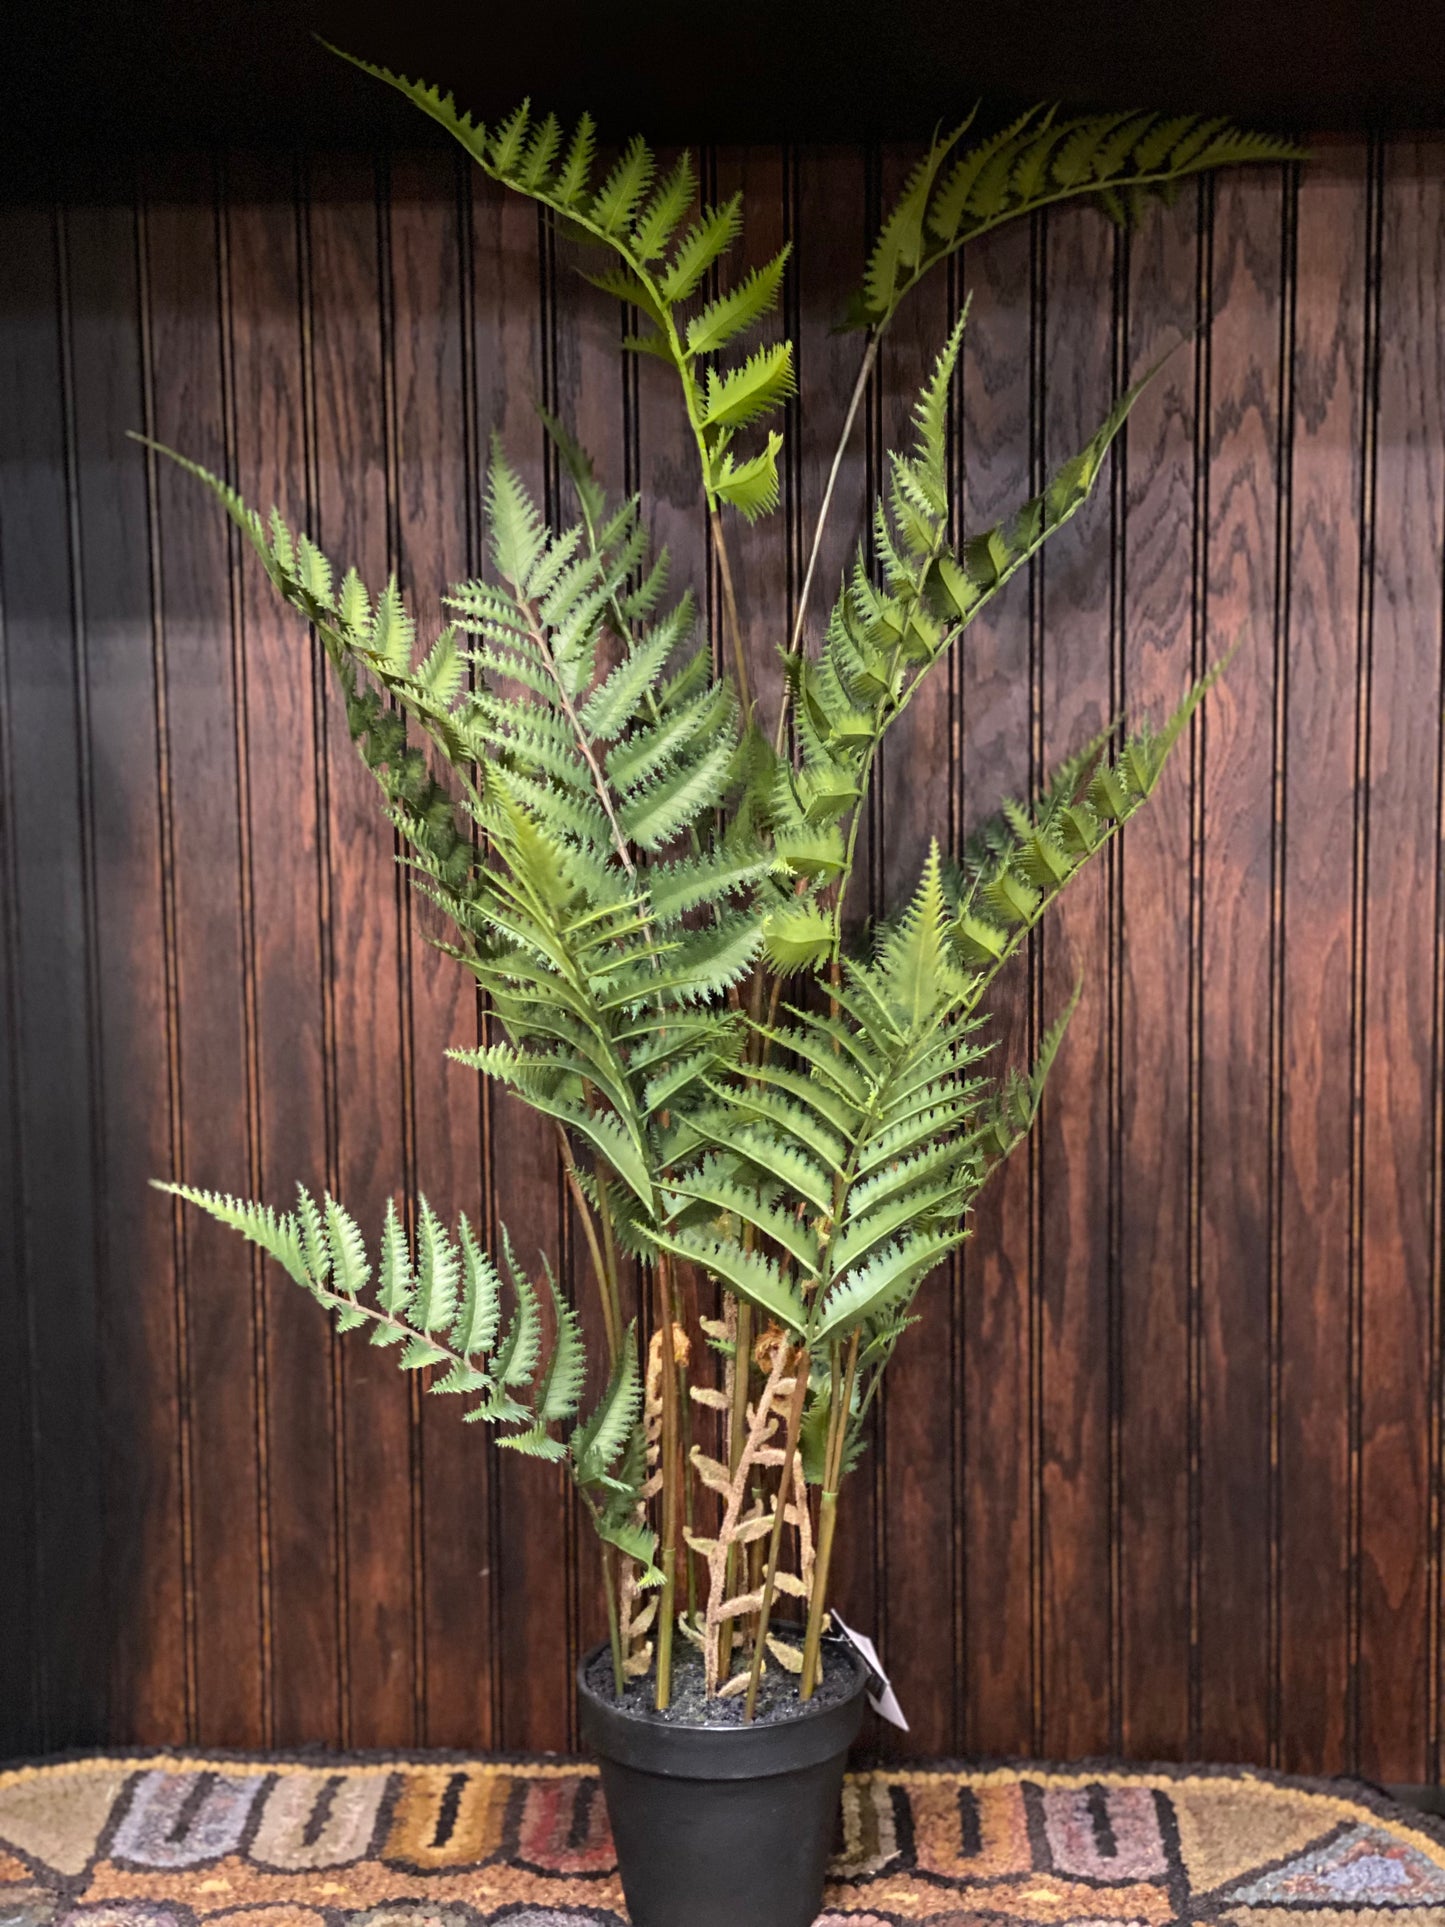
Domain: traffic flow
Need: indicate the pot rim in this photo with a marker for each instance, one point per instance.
(643, 1740)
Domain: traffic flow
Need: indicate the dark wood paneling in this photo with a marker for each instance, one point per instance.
(1400, 1260)
(917, 789)
(51, 1292)
(1234, 1621)
(353, 415)
(209, 862)
(999, 1510)
(1160, 1471)
(1076, 1275)
(1322, 800)
(266, 269)
(1157, 1303)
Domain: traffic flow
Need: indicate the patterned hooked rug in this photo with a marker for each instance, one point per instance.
(161, 1840)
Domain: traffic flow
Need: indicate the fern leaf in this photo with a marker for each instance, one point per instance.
(479, 1313)
(899, 247)
(521, 1347)
(889, 1277)
(598, 1441)
(659, 220)
(350, 1269)
(710, 1186)
(797, 937)
(652, 817)
(561, 1384)
(617, 199)
(741, 308)
(575, 178)
(763, 382)
(518, 533)
(751, 487)
(748, 1273)
(703, 244)
(394, 1283)
(434, 1304)
(676, 888)
(275, 1232)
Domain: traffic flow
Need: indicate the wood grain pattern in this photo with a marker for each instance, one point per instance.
(219, 1285)
(1076, 1277)
(353, 420)
(999, 1512)
(139, 1390)
(52, 961)
(1156, 1011)
(1160, 1472)
(283, 703)
(917, 790)
(1400, 1311)
(1321, 801)
(1238, 1512)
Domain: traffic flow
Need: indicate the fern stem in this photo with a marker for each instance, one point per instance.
(842, 1405)
(775, 1541)
(813, 1641)
(584, 743)
(730, 611)
(606, 1279)
(610, 1583)
(671, 1478)
(855, 402)
(737, 1440)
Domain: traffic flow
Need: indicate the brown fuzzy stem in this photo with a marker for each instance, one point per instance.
(775, 1543)
(737, 1438)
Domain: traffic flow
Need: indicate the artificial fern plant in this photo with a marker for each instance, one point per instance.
(650, 886)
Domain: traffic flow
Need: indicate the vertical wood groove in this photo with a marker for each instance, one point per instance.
(1284, 469)
(188, 1711)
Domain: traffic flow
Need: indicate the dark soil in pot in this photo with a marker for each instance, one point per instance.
(720, 1823)
(690, 1706)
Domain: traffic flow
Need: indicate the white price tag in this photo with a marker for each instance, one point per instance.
(881, 1696)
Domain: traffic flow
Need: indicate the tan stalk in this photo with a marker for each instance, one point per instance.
(770, 1573)
(614, 1620)
(603, 1266)
(860, 387)
(639, 1610)
(741, 1319)
(671, 1478)
(730, 611)
(828, 1517)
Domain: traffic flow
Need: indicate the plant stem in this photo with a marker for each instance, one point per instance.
(813, 1640)
(842, 1407)
(599, 781)
(855, 402)
(667, 1605)
(730, 610)
(737, 1438)
(775, 1543)
(614, 1624)
(689, 1559)
(605, 1273)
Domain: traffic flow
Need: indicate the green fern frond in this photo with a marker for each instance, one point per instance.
(277, 1233)
(1117, 161)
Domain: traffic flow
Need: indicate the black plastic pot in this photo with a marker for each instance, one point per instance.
(726, 1826)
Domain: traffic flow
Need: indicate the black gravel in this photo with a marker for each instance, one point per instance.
(777, 1696)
